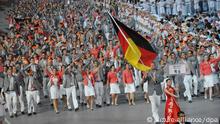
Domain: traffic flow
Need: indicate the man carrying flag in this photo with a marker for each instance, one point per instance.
(140, 54)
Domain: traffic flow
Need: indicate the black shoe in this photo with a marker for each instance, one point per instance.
(97, 106)
(108, 104)
(22, 113)
(39, 103)
(69, 109)
(77, 109)
(29, 114)
(16, 115)
(100, 106)
(193, 95)
(190, 101)
(11, 116)
(57, 112)
(51, 104)
(46, 96)
(104, 102)
(34, 113)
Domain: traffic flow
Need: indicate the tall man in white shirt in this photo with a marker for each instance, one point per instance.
(69, 83)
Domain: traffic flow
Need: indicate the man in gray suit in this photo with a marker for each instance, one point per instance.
(99, 88)
(79, 78)
(155, 77)
(32, 88)
(69, 83)
(187, 81)
(11, 90)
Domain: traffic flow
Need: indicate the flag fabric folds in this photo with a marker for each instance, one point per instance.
(136, 49)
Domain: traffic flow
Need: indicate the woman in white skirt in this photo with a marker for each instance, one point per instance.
(145, 87)
(89, 88)
(206, 72)
(112, 81)
(128, 81)
(54, 87)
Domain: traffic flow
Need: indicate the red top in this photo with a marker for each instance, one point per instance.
(127, 77)
(85, 78)
(95, 51)
(205, 67)
(112, 76)
(58, 75)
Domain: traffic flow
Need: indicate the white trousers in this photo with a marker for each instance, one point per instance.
(99, 90)
(188, 86)
(31, 97)
(106, 94)
(38, 97)
(195, 84)
(21, 99)
(137, 78)
(155, 104)
(81, 93)
(11, 100)
(45, 86)
(71, 92)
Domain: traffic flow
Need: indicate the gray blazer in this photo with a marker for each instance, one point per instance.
(36, 83)
(6, 84)
(78, 74)
(69, 80)
(155, 85)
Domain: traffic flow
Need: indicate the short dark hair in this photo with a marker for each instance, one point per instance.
(180, 113)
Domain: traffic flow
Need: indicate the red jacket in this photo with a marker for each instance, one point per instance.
(205, 67)
(85, 80)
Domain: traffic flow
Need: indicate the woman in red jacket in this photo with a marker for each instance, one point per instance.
(112, 81)
(206, 72)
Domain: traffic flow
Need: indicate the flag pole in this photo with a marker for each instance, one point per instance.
(124, 36)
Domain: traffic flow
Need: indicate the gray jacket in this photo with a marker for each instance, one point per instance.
(78, 74)
(6, 83)
(36, 83)
(155, 85)
(189, 67)
(69, 80)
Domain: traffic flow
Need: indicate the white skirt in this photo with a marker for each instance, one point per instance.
(215, 79)
(89, 91)
(54, 92)
(129, 88)
(209, 81)
(114, 88)
(145, 87)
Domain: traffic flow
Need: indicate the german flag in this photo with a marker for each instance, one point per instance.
(136, 49)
